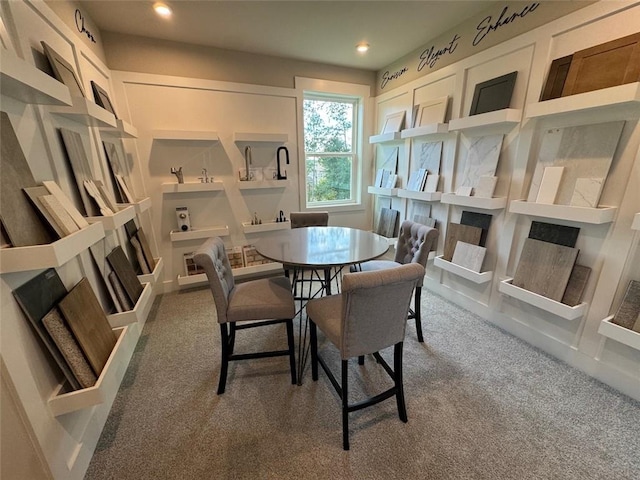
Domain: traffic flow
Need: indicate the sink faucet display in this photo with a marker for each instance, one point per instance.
(178, 173)
(247, 161)
(280, 175)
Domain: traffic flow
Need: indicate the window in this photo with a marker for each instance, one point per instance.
(331, 149)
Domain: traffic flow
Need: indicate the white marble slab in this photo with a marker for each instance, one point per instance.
(463, 191)
(547, 154)
(469, 256)
(486, 186)
(431, 184)
(587, 192)
(390, 161)
(429, 156)
(549, 185)
(482, 158)
(420, 211)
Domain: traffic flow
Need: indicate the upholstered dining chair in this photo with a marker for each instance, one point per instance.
(252, 304)
(369, 315)
(415, 241)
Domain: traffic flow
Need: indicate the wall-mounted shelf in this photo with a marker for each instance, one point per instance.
(623, 101)
(122, 130)
(263, 184)
(244, 137)
(541, 302)
(201, 278)
(387, 192)
(199, 233)
(111, 222)
(138, 313)
(85, 112)
(422, 196)
(184, 136)
(24, 82)
(635, 225)
(595, 216)
(140, 206)
(503, 120)
(56, 254)
(192, 187)
(265, 227)
(425, 130)
(153, 277)
(386, 137)
(108, 381)
(618, 333)
(463, 272)
(496, 203)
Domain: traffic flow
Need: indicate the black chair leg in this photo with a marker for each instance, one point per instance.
(397, 369)
(224, 364)
(361, 360)
(416, 309)
(345, 406)
(314, 349)
(232, 338)
(292, 350)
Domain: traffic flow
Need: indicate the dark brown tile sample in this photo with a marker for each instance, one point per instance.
(577, 283)
(544, 268)
(126, 274)
(474, 219)
(552, 233)
(89, 324)
(459, 233)
(80, 167)
(627, 314)
(131, 228)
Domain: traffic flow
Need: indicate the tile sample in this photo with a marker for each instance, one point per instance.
(627, 314)
(129, 198)
(69, 348)
(469, 256)
(464, 191)
(140, 256)
(544, 268)
(122, 299)
(106, 196)
(131, 228)
(431, 183)
(80, 167)
(123, 269)
(390, 161)
(462, 233)
(549, 185)
(552, 233)
(486, 186)
(59, 214)
(387, 222)
(429, 157)
(114, 167)
(34, 194)
(89, 325)
(577, 283)
(57, 192)
(587, 192)
(547, 154)
(146, 249)
(482, 159)
(482, 220)
(21, 221)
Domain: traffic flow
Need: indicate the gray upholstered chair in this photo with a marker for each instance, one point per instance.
(369, 315)
(300, 220)
(415, 241)
(261, 302)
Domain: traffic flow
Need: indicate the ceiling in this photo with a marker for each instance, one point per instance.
(318, 31)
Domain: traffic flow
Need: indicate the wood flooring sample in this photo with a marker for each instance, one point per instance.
(146, 250)
(627, 314)
(577, 284)
(89, 324)
(460, 233)
(34, 194)
(544, 268)
(126, 274)
(482, 220)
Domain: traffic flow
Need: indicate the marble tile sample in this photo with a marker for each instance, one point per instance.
(387, 222)
(486, 186)
(428, 221)
(390, 160)
(21, 221)
(34, 194)
(89, 325)
(126, 274)
(420, 212)
(431, 184)
(482, 220)
(544, 268)
(587, 192)
(57, 192)
(549, 185)
(429, 157)
(577, 283)
(69, 348)
(80, 167)
(552, 233)
(462, 233)
(463, 191)
(59, 214)
(584, 151)
(482, 159)
(627, 314)
(469, 256)
(415, 180)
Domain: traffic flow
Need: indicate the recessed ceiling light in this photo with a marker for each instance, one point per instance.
(162, 9)
(362, 47)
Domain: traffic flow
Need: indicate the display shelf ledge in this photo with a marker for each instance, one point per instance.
(153, 277)
(425, 130)
(263, 184)
(422, 196)
(191, 280)
(594, 216)
(85, 112)
(248, 137)
(618, 333)
(504, 119)
(265, 227)
(140, 206)
(138, 314)
(201, 278)
(56, 254)
(385, 137)
(622, 99)
(108, 382)
(496, 203)
(111, 222)
(199, 233)
(24, 82)
(544, 303)
(192, 187)
(463, 272)
(185, 136)
(635, 225)
(121, 130)
(387, 192)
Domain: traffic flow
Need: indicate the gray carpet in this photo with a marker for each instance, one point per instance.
(481, 403)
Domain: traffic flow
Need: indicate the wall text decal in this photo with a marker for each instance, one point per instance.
(430, 55)
(80, 26)
(487, 25)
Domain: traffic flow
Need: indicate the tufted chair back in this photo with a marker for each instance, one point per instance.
(415, 241)
(213, 258)
(309, 219)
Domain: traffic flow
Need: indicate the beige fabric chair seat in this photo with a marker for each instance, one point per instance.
(261, 299)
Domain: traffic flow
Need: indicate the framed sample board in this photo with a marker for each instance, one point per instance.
(102, 98)
(494, 94)
(63, 71)
(556, 79)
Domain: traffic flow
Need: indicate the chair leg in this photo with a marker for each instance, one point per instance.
(345, 407)
(416, 309)
(397, 369)
(314, 349)
(232, 338)
(224, 364)
(361, 360)
(292, 355)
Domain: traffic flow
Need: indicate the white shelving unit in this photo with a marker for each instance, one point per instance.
(199, 233)
(184, 136)
(594, 216)
(386, 137)
(201, 278)
(121, 130)
(463, 272)
(421, 196)
(139, 312)
(24, 82)
(56, 254)
(188, 187)
(541, 302)
(111, 222)
(387, 192)
(618, 333)
(635, 225)
(496, 203)
(248, 137)
(85, 112)
(154, 276)
(263, 184)
(504, 120)
(425, 130)
(107, 383)
(265, 227)
(140, 206)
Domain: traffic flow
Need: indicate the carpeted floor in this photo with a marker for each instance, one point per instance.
(481, 403)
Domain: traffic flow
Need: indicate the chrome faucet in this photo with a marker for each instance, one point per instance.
(247, 161)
